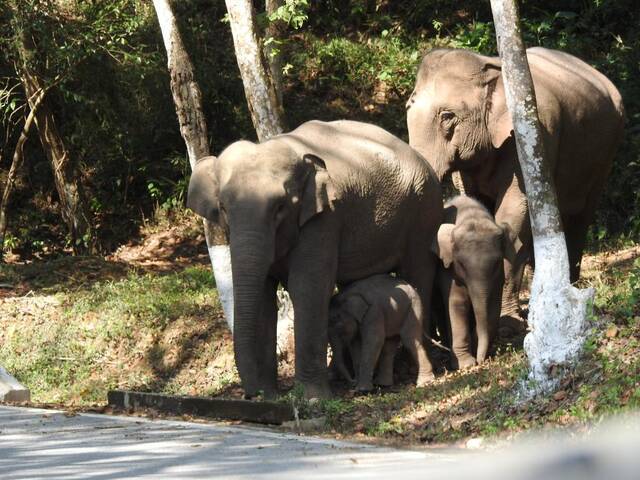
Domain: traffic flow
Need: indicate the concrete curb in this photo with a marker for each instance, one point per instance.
(11, 390)
(258, 412)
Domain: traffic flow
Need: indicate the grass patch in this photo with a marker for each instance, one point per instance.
(144, 331)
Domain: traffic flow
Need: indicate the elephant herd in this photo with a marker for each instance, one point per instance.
(348, 205)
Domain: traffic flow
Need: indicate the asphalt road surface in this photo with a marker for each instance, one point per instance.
(45, 444)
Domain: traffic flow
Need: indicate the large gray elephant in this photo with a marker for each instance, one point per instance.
(458, 120)
(370, 317)
(326, 203)
(469, 281)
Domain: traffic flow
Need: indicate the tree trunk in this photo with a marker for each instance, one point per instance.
(266, 110)
(16, 163)
(193, 128)
(275, 31)
(72, 201)
(557, 310)
(267, 116)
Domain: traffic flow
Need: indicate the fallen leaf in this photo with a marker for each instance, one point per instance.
(560, 395)
(611, 332)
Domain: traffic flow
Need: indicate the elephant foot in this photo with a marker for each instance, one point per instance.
(384, 380)
(462, 362)
(425, 379)
(364, 387)
(317, 390)
(511, 325)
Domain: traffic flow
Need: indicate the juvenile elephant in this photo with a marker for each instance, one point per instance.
(471, 247)
(369, 317)
(458, 120)
(326, 203)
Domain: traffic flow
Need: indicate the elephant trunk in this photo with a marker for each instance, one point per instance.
(422, 139)
(251, 258)
(486, 310)
(337, 349)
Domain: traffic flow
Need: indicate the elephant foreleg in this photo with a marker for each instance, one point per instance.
(372, 336)
(459, 313)
(267, 335)
(312, 277)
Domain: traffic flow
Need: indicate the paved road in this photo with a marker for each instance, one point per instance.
(43, 444)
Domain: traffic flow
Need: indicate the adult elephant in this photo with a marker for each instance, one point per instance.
(458, 120)
(326, 203)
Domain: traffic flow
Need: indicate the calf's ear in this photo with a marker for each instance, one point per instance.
(442, 244)
(356, 306)
(202, 196)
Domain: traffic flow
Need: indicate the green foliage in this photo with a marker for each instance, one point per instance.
(620, 294)
(292, 12)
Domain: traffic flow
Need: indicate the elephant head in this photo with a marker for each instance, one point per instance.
(457, 115)
(474, 251)
(262, 195)
(345, 317)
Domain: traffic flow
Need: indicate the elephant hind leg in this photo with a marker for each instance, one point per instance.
(576, 228)
(384, 377)
(411, 336)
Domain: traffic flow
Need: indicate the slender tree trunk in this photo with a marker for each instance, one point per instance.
(266, 111)
(557, 310)
(72, 200)
(275, 31)
(16, 163)
(193, 128)
(267, 115)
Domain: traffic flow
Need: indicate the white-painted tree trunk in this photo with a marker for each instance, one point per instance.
(266, 113)
(193, 127)
(557, 311)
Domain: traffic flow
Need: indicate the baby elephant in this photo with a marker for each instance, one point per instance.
(470, 278)
(380, 309)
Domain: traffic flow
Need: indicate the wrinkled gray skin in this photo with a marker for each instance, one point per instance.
(369, 317)
(326, 203)
(470, 277)
(458, 120)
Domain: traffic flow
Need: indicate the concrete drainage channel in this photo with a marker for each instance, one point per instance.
(11, 390)
(244, 410)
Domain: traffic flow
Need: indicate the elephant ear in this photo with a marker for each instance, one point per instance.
(319, 192)
(355, 306)
(498, 116)
(511, 243)
(442, 244)
(202, 196)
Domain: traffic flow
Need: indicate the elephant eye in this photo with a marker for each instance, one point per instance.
(446, 116)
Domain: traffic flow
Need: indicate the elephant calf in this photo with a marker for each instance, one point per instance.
(381, 309)
(470, 278)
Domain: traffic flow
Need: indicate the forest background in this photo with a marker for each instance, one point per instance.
(109, 93)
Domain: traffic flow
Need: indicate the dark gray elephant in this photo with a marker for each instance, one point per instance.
(370, 317)
(470, 278)
(458, 120)
(326, 203)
